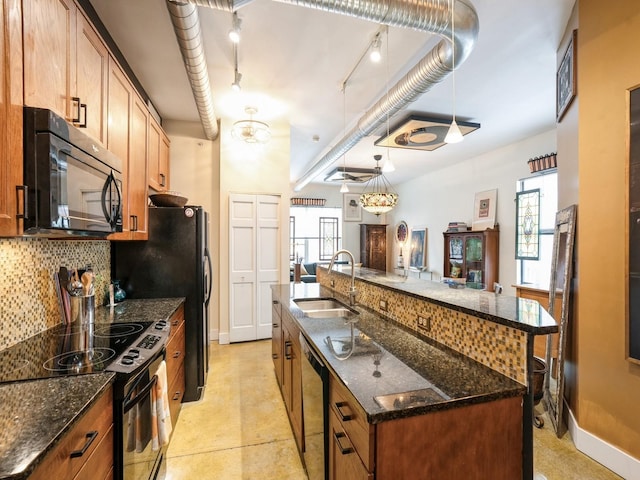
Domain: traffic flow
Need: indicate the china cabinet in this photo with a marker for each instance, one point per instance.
(473, 257)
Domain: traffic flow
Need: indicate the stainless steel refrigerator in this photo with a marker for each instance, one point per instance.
(174, 262)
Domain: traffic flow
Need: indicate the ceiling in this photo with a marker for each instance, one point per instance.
(293, 61)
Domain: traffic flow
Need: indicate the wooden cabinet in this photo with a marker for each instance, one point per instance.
(86, 451)
(472, 256)
(137, 170)
(373, 246)
(65, 64)
(175, 363)
(10, 117)
(344, 462)
(276, 338)
(158, 157)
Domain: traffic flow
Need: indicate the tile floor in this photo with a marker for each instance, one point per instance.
(240, 431)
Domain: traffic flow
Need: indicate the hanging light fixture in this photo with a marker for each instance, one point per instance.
(234, 33)
(454, 135)
(344, 188)
(251, 131)
(375, 56)
(237, 76)
(378, 196)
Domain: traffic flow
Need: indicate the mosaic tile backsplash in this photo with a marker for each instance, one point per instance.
(500, 348)
(28, 300)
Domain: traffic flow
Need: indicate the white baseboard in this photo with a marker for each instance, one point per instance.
(213, 334)
(604, 453)
(223, 338)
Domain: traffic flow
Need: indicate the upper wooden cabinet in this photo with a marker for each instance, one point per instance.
(10, 116)
(472, 256)
(158, 154)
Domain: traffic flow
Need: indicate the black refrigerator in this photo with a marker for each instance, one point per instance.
(174, 262)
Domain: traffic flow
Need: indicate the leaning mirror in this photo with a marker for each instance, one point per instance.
(561, 274)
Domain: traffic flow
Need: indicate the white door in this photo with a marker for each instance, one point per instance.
(254, 259)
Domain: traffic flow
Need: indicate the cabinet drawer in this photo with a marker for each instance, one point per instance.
(100, 462)
(175, 353)
(353, 421)
(176, 320)
(59, 463)
(344, 463)
(176, 392)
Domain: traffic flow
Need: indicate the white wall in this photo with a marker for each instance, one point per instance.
(447, 195)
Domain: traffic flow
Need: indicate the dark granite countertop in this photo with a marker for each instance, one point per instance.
(36, 414)
(519, 313)
(390, 372)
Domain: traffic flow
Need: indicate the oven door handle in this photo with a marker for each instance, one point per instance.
(129, 403)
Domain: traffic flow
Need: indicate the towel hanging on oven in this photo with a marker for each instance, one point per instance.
(160, 414)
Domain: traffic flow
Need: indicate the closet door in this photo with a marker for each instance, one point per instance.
(254, 260)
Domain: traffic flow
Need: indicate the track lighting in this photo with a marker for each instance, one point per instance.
(375, 54)
(235, 86)
(234, 33)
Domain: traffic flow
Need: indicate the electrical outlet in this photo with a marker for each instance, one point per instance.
(383, 305)
(333, 283)
(424, 323)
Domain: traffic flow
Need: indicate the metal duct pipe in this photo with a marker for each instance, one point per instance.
(186, 25)
(432, 16)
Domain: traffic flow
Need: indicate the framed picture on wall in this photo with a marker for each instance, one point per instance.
(418, 255)
(351, 209)
(484, 210)
(566, 78)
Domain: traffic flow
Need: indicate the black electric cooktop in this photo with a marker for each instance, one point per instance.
(71, 349)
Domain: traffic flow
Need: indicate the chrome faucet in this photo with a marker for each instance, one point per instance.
(352, 290)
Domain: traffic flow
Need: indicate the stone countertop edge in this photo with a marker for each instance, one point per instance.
(502, 309)
(36, 414)
(42, 412)
(466, 381)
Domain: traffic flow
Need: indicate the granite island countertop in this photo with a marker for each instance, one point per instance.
(36, 414)
(520, 313)
(390, 372)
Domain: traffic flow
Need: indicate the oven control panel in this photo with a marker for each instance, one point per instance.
(144, 349)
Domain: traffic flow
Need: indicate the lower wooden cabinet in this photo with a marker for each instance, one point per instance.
(344, 462)
(292, 377)
(276, 339)
(90, 442)
(175, 363)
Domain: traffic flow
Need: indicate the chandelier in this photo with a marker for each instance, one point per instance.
(378, 197)
(251, 131)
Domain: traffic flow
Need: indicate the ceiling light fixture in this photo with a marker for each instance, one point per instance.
(344, 188)
(234, 33)
(378, 196)
(251, 131)
(237, 76)
(375, 56)
(454, 135)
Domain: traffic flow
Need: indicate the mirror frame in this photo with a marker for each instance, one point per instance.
(565, 223)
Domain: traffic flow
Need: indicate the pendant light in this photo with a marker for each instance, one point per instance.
(454, 135)
(344, 188)
(387, 166)
(378, 196)
(251, 131)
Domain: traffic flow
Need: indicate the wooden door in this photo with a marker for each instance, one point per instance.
(50, 55)
(10, 116)
(373, 246)
(137, 170)
(254, 264)
(92, 61)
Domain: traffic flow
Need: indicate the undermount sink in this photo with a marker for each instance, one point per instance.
(324, 308)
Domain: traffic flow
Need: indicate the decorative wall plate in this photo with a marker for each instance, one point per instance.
(402, 231)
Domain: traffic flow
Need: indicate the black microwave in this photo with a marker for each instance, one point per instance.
(72, 185)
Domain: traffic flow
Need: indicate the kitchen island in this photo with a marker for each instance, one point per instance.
(421, 353)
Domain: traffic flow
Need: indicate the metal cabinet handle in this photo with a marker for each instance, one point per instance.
(177, 353)
(25, 193)
(176, 322)
(90, 437)
(275, 302)
(287, 351)
(275, 325)
(343, 417)
(274, 356)
(176, 395)
(134, 223)
(76, 100)
(343, 450)
(83, 106)
(163, 180)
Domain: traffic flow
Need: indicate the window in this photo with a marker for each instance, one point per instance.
(314, 233)
(538, 271)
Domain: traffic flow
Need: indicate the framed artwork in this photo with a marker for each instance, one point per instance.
(351, 209)
(484, 210)
(402, 232)
(418, 256)
(566, 78)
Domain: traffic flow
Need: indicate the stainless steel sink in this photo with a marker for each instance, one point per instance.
(324, 308)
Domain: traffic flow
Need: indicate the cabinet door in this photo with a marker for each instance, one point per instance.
(49, 54)
(137, 171)
(164, 159)
(344, 463)
(10, 115)
(473, 268)
(276, 339)
(158, 157)
(91, 78)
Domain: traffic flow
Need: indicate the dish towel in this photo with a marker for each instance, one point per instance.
(160, 413)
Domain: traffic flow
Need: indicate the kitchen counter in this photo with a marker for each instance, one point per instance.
(387, 363)
(36, 414)
(519, 313)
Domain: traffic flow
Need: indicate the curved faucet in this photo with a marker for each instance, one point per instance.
(352, 289)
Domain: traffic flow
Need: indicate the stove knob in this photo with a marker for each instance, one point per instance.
(134, 353)
(127, 360)
(160, 325)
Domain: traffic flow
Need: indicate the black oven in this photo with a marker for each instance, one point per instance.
(72, 184)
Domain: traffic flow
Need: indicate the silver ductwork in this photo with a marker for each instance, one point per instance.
(432, 16)
(186, 24)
